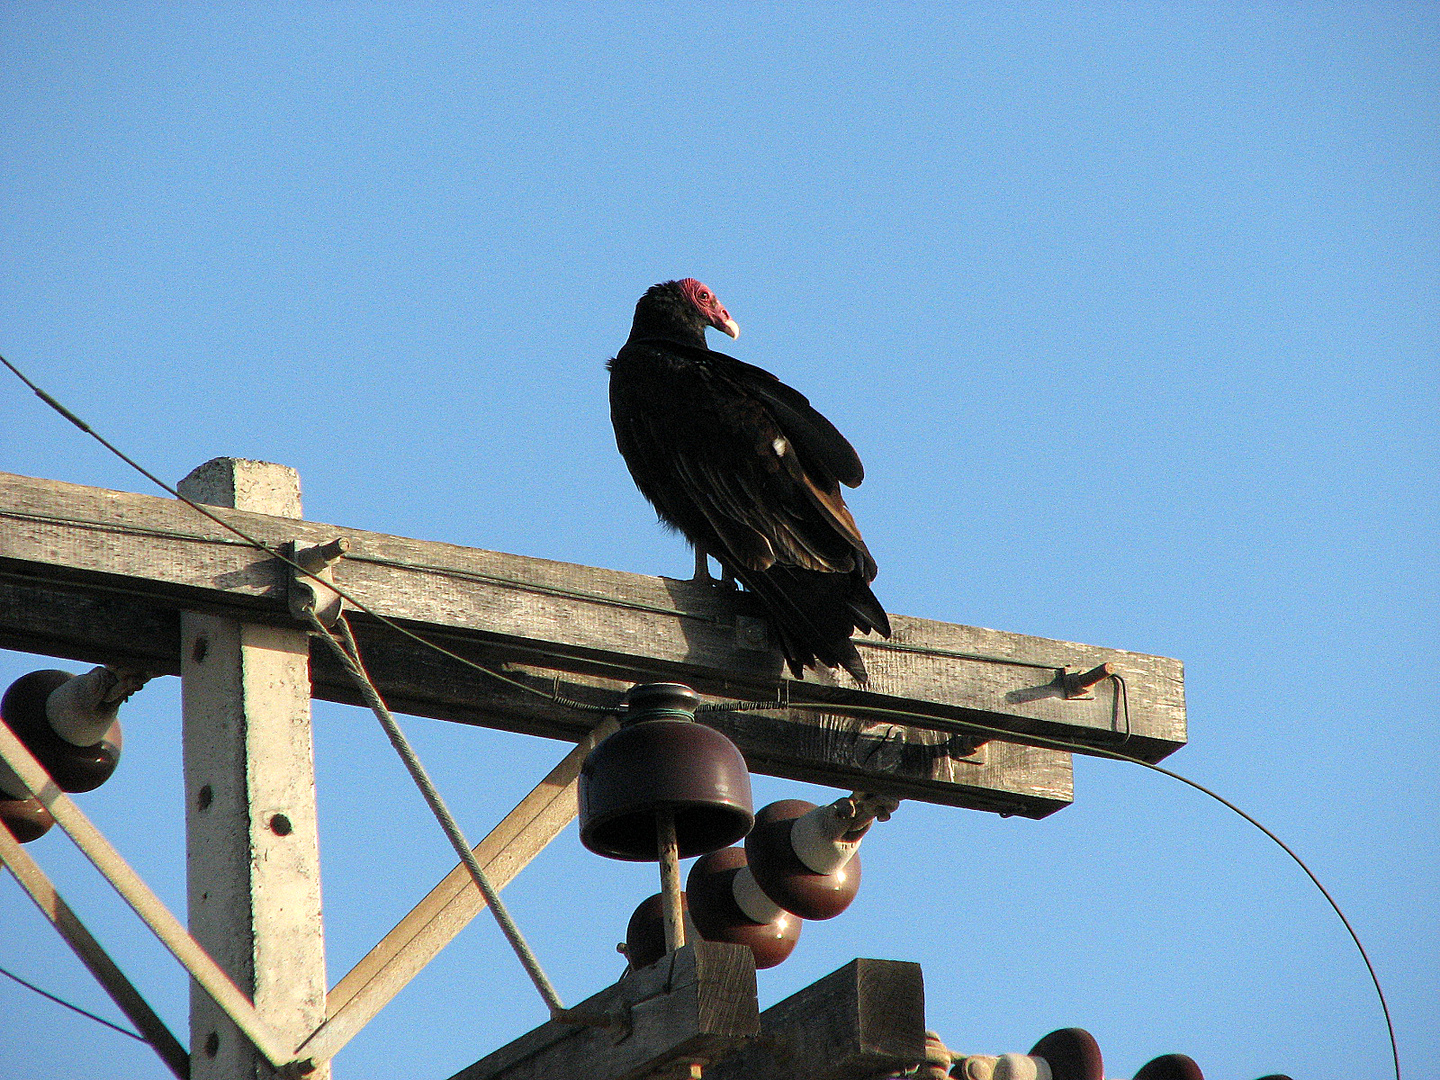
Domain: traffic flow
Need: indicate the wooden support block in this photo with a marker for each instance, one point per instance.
(863, 1021)
(692, 1007)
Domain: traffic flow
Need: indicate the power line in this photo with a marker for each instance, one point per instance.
(73, 1008)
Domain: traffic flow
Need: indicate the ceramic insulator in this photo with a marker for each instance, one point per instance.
(755, 904)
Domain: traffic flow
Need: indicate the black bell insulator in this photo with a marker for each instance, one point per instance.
(1072, 1054)
(717, 914)
(73, 768)
(784, 877)
(1170, 1067)
(27, 819)
(661, 759)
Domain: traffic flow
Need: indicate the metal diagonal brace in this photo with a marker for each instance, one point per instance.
(146, 904)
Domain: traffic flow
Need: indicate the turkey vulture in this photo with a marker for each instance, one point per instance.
(748, 471)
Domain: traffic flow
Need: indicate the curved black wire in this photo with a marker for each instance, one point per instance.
(73, 1008)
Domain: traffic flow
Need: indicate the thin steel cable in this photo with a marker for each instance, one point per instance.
(261, 546)
(348, 653)
(739, 706)
(1061, 744)
(74, 1008)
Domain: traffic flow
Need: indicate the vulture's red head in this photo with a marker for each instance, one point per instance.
(709, 306)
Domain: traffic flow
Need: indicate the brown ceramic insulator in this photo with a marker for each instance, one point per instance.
(784, 878)
(73, 768)
(662, 759)
(1072, 1054)
(1170, 1067)
(27, 819)
(710, 889)
(645, 936)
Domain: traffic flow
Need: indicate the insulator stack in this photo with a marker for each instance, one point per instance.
(804, 857)
(661, 759)
(68, 722)
(645, 935)
(661, 788)
(726, 905)
(1068, 1054)
(1170, 1067)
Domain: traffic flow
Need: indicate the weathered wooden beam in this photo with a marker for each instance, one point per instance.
(75, 560)
(579, 619)
(863, 1021)
(252, 838)
(82, 623)
(692, 1007)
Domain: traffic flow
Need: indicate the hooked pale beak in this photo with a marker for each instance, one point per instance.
(727, 325)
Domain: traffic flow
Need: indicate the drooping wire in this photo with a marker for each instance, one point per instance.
(1078, 748)
(739, 706)
(275, 553)
(73, 1008)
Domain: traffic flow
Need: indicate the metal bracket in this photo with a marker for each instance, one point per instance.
(307, 592)
(1081, 684)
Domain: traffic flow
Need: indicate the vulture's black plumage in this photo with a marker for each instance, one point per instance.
(748, 471)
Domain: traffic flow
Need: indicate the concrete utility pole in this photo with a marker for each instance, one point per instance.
(253, 849)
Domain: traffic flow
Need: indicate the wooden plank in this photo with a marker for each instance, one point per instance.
(691, 1007)
(448, 908)
(863, 1021)
(252, 843)
(82, 623)
(93, 955)
(576, 619)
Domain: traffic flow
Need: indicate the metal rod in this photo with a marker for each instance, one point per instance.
(349, 655)
(671, 899)
(93, 955)
(146, 904)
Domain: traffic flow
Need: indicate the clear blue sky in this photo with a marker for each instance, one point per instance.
(1131, 311)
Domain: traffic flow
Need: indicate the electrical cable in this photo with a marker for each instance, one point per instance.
(1078, 748)
(265, 548)
(74, 1008)
(739, 706)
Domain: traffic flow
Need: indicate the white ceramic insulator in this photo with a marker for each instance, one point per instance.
(77, 710)
(1021, 1067)
(755, 904)
(816, 838)
(978, 1067)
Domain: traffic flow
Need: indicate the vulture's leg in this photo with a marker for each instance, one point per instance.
(702, 568)
(704, 577)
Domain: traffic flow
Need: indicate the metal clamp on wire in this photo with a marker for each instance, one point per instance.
(308, 594)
